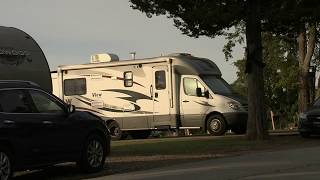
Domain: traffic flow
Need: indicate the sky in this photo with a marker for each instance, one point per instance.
(70, 31)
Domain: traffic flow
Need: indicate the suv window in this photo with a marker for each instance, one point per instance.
(14, 101)
(44, 103)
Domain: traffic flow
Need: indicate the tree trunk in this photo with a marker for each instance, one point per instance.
(254, 69)
(305, 53)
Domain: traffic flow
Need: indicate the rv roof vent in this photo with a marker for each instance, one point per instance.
(180, 54)
(98, 58)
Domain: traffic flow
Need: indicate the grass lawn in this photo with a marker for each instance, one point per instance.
(204, 145)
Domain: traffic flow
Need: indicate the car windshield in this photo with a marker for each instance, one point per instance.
(217, 84)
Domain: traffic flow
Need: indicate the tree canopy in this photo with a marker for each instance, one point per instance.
(215, 17)
(281, 75)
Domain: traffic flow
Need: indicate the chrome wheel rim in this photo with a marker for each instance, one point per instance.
(215, 125)
(5, 167)
(95, 153)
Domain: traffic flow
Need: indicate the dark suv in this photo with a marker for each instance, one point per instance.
(37, 130)
(309, 121)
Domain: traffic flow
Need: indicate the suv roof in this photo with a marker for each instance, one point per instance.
(18, 84)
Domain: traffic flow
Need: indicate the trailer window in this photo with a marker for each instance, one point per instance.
(128, 79)
(75, 86)
(160, 79)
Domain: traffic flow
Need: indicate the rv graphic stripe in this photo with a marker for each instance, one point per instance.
(204, 103)
(110, 109)
(87, 109)
(135, 96)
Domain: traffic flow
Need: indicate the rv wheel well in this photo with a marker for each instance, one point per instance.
(211, 114)
(109, 121)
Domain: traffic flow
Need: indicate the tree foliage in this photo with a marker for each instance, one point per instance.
(215, 17)
(196, 17)
(281, 77)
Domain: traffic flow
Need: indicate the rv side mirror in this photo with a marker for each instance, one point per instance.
(206, 94)
(199, 92)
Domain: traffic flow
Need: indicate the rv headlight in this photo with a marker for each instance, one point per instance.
(234, 106)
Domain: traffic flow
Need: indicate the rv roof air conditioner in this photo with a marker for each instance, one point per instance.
(180, 54)
(99, 58)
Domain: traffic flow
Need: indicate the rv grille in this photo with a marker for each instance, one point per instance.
(245, 107)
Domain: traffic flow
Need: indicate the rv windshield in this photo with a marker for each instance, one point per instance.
(217, 84)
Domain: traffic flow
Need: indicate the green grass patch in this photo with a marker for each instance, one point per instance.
(191, 146)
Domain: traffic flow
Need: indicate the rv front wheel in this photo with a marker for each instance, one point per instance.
(216, 125)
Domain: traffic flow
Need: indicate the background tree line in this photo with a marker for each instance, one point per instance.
(288, 19)
(280, 76)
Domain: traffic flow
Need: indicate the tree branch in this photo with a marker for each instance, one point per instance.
(311, 46)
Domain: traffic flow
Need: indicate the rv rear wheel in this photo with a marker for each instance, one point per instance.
(115, 131)
(216, 125)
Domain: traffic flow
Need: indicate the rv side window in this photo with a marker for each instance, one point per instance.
(75, 86)
(160, 80)
(190, 86)
(128, 79)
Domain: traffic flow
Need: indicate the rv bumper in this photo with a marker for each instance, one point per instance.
(236, 119)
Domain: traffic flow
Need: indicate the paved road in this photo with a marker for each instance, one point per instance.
(287, 164)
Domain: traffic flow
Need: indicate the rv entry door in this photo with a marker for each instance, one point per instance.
(161, 98)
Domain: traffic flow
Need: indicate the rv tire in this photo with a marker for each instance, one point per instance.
(216, 125)
(115, 131)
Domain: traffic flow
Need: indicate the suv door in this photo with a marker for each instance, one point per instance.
(19, 126)
(61, 136)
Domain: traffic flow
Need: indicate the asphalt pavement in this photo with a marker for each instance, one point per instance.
(301, 163)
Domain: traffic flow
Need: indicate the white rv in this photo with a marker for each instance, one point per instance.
(174, 91)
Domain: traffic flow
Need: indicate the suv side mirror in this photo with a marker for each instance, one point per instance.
(71, 108)
(199, 92)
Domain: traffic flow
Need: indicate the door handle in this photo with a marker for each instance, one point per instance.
(185, 101)
(151, 92)
(47, 122)
(8, 122)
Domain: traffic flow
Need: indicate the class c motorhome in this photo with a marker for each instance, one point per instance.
(21, 58)
(175, 91)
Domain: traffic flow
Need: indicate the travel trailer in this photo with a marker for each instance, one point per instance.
(178, 91)
(21, 58)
